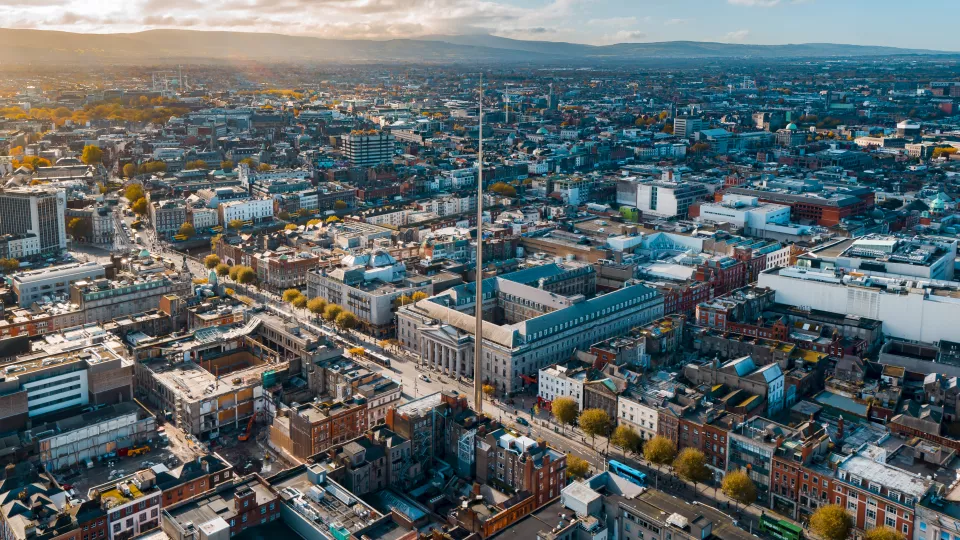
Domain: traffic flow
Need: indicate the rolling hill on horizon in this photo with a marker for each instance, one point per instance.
(22, 46)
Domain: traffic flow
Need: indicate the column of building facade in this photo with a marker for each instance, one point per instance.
(459, 364)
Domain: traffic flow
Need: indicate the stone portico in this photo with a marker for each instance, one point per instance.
(448, 350)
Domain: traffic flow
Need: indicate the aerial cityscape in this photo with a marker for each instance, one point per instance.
(449, 270)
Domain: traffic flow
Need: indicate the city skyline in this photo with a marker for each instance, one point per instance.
(601, 22)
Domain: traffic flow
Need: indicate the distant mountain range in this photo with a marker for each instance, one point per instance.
(169, 46)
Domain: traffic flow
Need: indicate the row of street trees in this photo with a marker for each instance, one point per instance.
(830, 522)
(332, 313)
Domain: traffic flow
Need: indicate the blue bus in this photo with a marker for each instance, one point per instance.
(628, 473)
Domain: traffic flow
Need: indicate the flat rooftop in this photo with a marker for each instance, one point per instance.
(338, 506)
(658, 505)
(220, 504)
(420, 406)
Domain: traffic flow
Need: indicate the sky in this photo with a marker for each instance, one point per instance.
(901, 23)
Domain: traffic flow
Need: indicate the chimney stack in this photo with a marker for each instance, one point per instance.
(840, 428)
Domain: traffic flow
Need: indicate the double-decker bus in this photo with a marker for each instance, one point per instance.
(779, 528)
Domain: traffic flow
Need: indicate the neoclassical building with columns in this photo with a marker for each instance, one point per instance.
(532, 318)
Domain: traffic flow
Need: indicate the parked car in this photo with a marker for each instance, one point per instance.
(522, 421)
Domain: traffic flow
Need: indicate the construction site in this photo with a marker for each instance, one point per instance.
(214, 380)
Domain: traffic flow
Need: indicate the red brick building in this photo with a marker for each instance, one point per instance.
(724, 275)
(877, 494)
(683, 297)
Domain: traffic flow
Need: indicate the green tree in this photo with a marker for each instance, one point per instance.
(339, 205)
(246, 275)
(332, 219)
(92, 155)
(264, 167)
(226, 165)
(9, 265)
(290, 227)
(129, 170)
(316, 306)
(234, 271)
(831, 522)
(222, 270)
(79, 228)
(153, 167)
(299, 302)
(290, 295)
(883, 533)
(195, 165)
(235, 224)
(402, 300)
(347, 321)
(504, 189)
(331, 311)
(139, 207)
(625, 438)
(564, 410)
(738, 486)
(134, 192)
(211, 261)
(187, 230)
(659, 451)
(577, 467)
(595, 422)
(691, 465)
(248, 162)
(488, 390)
(418, 296)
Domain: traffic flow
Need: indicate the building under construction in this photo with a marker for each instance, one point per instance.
(211, 379)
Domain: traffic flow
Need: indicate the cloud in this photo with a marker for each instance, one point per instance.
(613, 21)
(737, 36)
(674, 22)
(628, 36)
(382, 19)
(754, 3)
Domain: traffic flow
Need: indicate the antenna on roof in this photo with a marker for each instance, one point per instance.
(478, 333)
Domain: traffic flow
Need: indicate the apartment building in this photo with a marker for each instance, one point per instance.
(877, 494)
(508, 459)
(230, 509)
(132, 504)
(561, 380)
(314, 427)
(38, 211)
(751, 447)
(284, 269)
(167, 216)
(368, 148)
(253, 210)
(742, 374)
